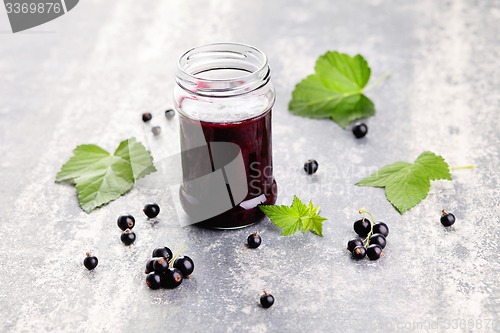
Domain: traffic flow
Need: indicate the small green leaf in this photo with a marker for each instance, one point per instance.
(335, 91)
(101, 177)
(316, 225)
(296, 217)
(406, 184)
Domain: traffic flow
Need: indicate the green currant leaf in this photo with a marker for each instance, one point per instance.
(335, 91)
(406, 184)
(296, 217)
(101, 177)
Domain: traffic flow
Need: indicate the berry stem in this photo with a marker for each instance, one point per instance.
(176, 254)
(376, 83)
(367, 239)
(472, 166)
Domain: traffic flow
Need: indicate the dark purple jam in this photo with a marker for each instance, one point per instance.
(253, 136)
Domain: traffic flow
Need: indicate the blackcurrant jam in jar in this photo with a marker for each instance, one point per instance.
(224, 99)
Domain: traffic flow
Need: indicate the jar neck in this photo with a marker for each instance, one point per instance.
(222, 70)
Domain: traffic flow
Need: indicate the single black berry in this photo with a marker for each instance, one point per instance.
(169, 113)
(378, 239)
(128, 237)
(185, 265)
(147, 117)
(447, 219)
(381, 228)
(160, 266)
(359, 252)
(126, 222)
(154, 281)
(374, 251)
(162, 252)
(359, 130)
(150, 265)
(90, 262)
(311, 166)
(172, 278)
(156, 130)
(266, 300)
(353, 243)
(254, 240)
(151, 210)
(362, 227)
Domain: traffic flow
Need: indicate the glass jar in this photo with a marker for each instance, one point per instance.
(224, 98)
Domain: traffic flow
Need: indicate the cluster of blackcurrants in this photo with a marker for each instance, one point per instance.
(165, 271)
(146, 117)
(127, 222)
(372, 239)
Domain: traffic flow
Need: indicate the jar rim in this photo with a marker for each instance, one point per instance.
(217, 56)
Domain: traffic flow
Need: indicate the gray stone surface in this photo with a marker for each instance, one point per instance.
(86, 78)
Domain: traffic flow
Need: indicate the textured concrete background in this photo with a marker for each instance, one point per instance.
(87, 77)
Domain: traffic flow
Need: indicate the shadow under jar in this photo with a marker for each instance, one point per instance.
(224, 98)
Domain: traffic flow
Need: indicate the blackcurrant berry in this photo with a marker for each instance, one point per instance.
(447, 219)
(150, 265)
(147, 117)
(378, 239)
(169, 113)
(162, 252)
(359, 130)
(90, 262)
(311, 166)
(362, 227)
(254, 240)
(374, 251)
(156, 130)
(266, 300)
(359, 252)
(381, 228)
(128, 237)
(151, 210)
(160, 266)
(154, 281)
(185, 265)
(353, 243)
(172, 278)
(126, 222)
